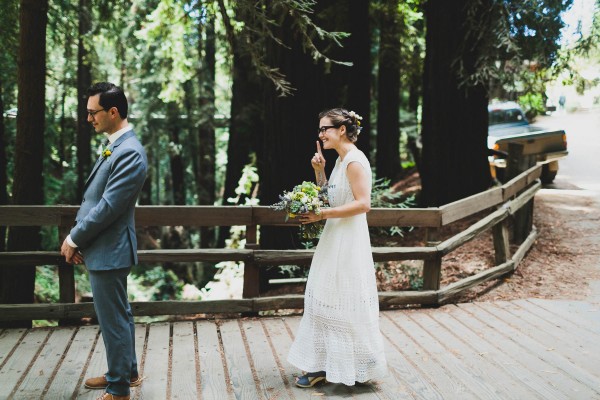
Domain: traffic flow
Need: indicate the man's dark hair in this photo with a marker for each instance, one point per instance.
(110, 96)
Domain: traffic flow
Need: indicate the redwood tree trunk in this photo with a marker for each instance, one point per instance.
(3, 167)
(84, 81)
(415, 84)
(246, 123)
(388, 106)
(205, 177)
(359, 86)
(454, 159)
(289, 136)
(17, 283)
(291, 132)
(176, 158)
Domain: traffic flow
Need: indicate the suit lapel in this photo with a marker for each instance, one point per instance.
(101, 159)
(99, 162)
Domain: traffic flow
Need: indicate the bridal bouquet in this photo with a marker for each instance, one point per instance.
(304, 198)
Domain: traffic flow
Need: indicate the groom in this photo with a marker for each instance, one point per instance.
(104, 235)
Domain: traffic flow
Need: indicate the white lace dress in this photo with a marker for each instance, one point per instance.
(339, 332)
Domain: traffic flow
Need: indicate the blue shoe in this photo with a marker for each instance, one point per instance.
(310, 379)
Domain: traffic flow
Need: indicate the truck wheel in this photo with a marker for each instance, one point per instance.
(548, 175)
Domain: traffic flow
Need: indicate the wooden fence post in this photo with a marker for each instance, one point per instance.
(514, 161)
(501, 242)
(66, 279)
(517, 163)
(251, 270)
(432, 269)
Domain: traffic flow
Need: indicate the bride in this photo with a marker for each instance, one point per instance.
(338, 339)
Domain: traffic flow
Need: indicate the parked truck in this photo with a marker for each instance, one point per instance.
(507, 124)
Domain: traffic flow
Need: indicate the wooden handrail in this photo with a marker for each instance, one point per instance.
(511, 197)
(64, 215)
(264, 258)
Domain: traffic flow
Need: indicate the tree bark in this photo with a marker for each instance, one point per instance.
(454, 158)
(288, 139)
(246, 123)
(3, 167)
(84, 81)
(176, 237)
(358, 49)
(17, 283)
(415, 84)
(388, 105)
(175, 154)
(205, 176)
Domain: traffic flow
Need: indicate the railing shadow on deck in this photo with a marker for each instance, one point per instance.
(503, 201)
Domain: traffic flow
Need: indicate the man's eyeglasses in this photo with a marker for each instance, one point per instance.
(323, 128)
(93, 113)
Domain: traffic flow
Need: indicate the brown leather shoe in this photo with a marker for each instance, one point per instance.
(108, 396)
(100, 382)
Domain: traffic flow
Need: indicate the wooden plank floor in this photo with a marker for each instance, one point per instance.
(523, 349)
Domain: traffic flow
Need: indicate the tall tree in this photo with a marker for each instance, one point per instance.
(84, 81)
(413, 42)
(17, 283)
(358, 51)
(8, 52)
(454, 130)
(205, 171)
(288, 139)
(388, 106)
(175, 154)
(246, 120)
(346, 82)
(3, 167)
(465, 40)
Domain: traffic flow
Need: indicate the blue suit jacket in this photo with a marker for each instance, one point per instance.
(105, 227)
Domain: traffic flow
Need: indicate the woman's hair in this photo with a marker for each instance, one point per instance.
(341, 116)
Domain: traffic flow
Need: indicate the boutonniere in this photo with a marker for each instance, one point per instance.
(106, 153)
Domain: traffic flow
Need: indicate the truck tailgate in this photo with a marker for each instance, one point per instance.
(535, 143)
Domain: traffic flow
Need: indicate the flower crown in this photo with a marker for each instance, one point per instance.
(357, 118)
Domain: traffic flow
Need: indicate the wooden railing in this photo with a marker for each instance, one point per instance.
(504, 201)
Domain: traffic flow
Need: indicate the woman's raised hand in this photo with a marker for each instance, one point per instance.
(318, 161)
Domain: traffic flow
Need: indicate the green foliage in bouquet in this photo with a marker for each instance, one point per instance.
(304, 198)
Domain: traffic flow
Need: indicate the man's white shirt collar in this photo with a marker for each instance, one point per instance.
(113, 138)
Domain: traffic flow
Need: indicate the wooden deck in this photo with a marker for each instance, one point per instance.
(524, 349)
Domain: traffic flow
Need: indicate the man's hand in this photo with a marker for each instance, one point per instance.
(72, 256)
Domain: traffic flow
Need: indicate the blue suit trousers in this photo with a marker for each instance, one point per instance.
(109, 289)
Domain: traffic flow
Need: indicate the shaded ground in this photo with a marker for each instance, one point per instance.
(564, 260)
(562, 263)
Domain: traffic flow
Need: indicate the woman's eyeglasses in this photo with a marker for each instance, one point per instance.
(323, 128)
